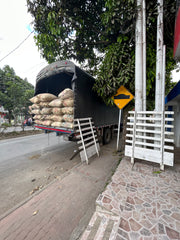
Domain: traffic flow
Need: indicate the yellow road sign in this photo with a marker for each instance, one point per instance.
(122, 97)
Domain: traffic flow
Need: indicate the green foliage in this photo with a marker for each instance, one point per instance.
(118, 65)
(117, 69)
(101, 36)
(14, 92)
(5, 125)
(67, 29)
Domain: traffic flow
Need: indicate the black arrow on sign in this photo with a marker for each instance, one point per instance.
(122, 96)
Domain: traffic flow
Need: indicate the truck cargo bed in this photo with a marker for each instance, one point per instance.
(64, 74)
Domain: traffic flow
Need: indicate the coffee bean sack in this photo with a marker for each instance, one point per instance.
(54, 111)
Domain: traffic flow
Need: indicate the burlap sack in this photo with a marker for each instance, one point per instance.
(46, 117)
(35, 111)
(68, 102)
(35, 106)
(67, 125)
(38, 121)
(56, 124)
(35, 99)
(46, 97)
(46, 111)
(57, 118)
(67, 110)
(30, 110)
(47, 123)
(44, 104)
(37, 116)
(68, 118)
(57, 111)
(66, 93)
(56, 103)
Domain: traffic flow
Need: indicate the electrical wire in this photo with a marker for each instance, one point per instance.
(16, 47)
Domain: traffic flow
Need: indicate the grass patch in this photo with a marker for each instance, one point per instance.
(15, 134)
(157, 172)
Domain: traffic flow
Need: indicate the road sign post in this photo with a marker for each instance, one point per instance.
(119, 128)
(121, 99)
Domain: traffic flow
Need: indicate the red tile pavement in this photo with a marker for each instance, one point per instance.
(144, 203)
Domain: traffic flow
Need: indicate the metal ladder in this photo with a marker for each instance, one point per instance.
(88, 140)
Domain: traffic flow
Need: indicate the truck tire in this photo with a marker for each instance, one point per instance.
(106, 136)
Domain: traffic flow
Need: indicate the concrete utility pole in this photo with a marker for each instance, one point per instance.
(144, 55)
(159, 58)
(140, 57)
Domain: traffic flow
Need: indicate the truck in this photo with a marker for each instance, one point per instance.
(60, 75)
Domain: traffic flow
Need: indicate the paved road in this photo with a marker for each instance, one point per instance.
(12, 148)
(31, 162)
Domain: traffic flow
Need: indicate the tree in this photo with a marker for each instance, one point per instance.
(67, 29)
(14, 93)
(120, 70)
(101, 34)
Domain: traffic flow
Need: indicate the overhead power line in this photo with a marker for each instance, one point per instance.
(16, 47)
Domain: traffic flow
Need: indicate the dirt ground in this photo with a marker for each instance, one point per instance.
(15, 134)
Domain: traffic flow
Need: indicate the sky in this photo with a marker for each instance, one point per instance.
(15, 26)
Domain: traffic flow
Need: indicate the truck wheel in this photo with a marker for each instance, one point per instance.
(107, 135)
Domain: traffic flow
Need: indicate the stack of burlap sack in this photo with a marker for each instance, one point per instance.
(54, 111)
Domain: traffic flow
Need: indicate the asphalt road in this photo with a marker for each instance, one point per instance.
(29, 163)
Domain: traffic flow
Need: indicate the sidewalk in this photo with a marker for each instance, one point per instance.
(63, 209)
(139, 204)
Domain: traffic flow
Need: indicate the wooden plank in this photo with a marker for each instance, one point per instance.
(169, 113)
(146, 118)
(169, 119)
(148, 131)
(169, 140)
(82, 119)
(150, 155)
(168, 147)
(82, 124)
(152, 112)
(169, 126)
(90, 152)
(88, 144)
(145, 112)
(145, 137)
(86, 139)
(151, 138)
(84, 134)
(84, 129)
(149, 125)
(145, 131)
(149, 118)
(144, 144)
(169, 133)
(144, 124)
(129, 129)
